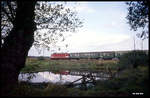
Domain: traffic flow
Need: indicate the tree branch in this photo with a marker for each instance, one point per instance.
(10, 8)
(7, 14)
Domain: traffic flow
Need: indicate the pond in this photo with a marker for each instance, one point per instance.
(62, 77)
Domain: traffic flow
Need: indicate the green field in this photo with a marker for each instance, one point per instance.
(36, 65)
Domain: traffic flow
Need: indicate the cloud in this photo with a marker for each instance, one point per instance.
(88, 40)
(82, 7)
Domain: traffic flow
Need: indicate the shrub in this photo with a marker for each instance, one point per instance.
(41, 58)
(133, 59)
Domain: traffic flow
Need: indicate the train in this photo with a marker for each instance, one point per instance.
(60, 56)
(106, 55)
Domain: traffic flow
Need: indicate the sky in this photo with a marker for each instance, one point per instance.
(104, 28)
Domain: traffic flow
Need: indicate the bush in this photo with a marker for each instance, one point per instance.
(133, 59)
(41, 58)
(130, 81)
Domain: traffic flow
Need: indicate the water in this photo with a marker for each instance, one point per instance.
(48, 77)
(51, 77)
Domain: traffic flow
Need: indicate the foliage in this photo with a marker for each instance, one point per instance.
(8, 13)
(26, 89)
(52, 20)
(41, 58)
(31, 67)
(130, 81)
(133, 59)
(138, 16)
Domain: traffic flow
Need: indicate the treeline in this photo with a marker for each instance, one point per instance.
(39, 57)
(134, 59)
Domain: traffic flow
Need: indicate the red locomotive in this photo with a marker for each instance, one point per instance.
(56, 56)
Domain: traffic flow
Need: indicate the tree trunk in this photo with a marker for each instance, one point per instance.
(16, 45)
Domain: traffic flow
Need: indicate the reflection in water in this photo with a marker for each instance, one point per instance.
(48, 77)
(61, 78)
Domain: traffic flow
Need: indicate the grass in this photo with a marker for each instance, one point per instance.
(130, 81)
(35, 65)
(25, 89)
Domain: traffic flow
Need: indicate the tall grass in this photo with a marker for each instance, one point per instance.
(36, 65)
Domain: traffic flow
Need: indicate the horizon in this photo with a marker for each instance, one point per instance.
(89, 52)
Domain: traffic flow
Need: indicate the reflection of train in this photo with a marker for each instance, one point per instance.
(107, 55)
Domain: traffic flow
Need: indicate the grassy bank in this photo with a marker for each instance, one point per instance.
(35, 65)
(130, 81)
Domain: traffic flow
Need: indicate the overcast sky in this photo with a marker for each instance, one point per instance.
(105, 28)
